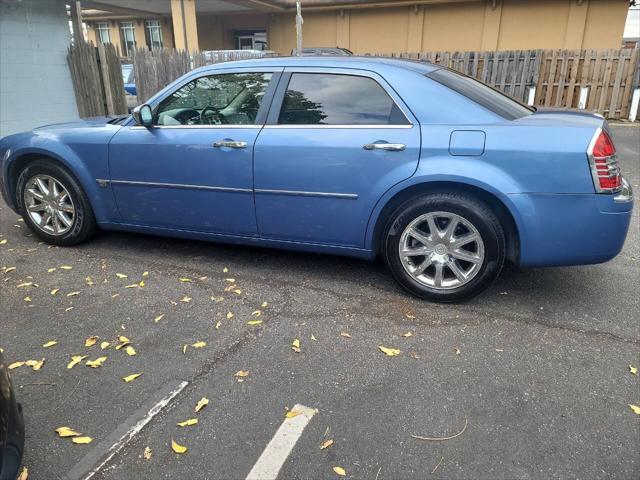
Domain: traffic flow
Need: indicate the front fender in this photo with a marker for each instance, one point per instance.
(468, 171)
(86, 159)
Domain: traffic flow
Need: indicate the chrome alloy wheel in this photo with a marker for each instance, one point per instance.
(49, 205)
(441, 250)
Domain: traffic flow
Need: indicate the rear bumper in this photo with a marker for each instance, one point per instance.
(572, 229)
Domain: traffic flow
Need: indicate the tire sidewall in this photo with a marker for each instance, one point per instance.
(482, 219)
(78, 230)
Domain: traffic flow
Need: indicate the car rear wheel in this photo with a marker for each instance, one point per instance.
(53, 204)
(444, 247)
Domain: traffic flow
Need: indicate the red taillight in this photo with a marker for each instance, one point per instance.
(604, 164)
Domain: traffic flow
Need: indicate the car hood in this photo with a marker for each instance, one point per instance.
(92, 122)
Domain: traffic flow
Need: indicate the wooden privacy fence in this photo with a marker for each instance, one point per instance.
(598, 80)
(97, 80)
(157, 68)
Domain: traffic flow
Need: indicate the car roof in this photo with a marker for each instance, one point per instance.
(365, 63)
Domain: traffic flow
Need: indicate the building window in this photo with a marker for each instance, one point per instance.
(153, 32)
(251, 39)
(128, 38)
(102, 32)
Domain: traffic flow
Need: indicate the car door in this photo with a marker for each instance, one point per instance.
(193, 169)
(335, 141)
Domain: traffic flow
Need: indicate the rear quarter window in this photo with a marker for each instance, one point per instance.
(482, 94)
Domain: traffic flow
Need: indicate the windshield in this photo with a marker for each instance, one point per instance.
(481, 93)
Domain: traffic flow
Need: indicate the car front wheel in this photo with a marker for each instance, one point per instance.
(444, 247)
(53, 204)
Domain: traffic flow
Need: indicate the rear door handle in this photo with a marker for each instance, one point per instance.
(391, 147)
(230, 144)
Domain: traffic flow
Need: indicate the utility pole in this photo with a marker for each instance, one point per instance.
(299, 23)
(76, 22)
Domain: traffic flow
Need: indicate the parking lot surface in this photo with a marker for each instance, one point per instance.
(532, 376)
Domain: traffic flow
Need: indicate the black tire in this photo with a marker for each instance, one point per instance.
(84, 223)
(472, 210)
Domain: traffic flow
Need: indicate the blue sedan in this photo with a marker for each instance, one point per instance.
(443, 176)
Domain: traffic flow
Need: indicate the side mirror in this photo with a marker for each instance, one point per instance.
(143, 115)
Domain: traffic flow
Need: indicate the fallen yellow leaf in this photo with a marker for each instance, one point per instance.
(24, 474)
(121, 275)
(130, 351)
(105, 345)
(633, 370)
(313, 337)
(339, 471)
(218, 324)
(35, 364)
(264, 305)
(390, 352)
(188, 423)
(147, 453)
(238, 291)
(15, 365)
(326, 444)
(345, 335)
(133, 285)
(456, 351)
(292, 413)
(66, 267)
(141, 283)
(185, 299)
(66, 432)
(185, 280)
(203, 402)
(26, 284)
(95, 363)
(230, 280)
(184, 348)
(158, 318)
(229, 315)
(54, 291)
(9, 269)
(254, 322)
(225, 270)
(51, 270)
(199, 344)
(256, 313)
(123, 339)
(68, 309)
(3, 241)
(295, 346)
(145, 274)
(241, 374)
(76, 359)
(89, 281)
(91, 341)
(82, 440)
(177, 447)
(50, 343)
(27, 299)
(408, 334)
(635, 408)
(131, 378)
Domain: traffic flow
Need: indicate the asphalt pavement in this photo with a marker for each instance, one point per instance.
(531, 379)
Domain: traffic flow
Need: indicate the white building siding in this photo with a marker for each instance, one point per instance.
(35, 83)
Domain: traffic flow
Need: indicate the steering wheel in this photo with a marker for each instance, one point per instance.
(211, 116)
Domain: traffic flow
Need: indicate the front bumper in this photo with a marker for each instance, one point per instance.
(568, 229)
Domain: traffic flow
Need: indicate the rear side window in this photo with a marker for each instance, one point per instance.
(482, 94)
(334, 99)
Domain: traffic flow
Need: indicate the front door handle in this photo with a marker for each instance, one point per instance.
(230, 144)
(391, 147)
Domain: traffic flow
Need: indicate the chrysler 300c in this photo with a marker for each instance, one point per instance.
(443, 176)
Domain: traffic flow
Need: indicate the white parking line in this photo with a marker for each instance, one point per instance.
(98, 457)
(280, 446)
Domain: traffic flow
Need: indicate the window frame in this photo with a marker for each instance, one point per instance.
(122, 28)
(278, 99)
(153, 25)
(259, 122)
(103, 27)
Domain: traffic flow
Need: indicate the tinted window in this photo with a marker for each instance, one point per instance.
(232, 98)
(482, 94)
(327, 99)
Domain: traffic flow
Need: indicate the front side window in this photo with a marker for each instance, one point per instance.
(128, 38)
(226, 99)
(153, 33)
(337, 99)
(102, 30)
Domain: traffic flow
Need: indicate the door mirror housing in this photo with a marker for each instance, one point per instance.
(143, 115)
